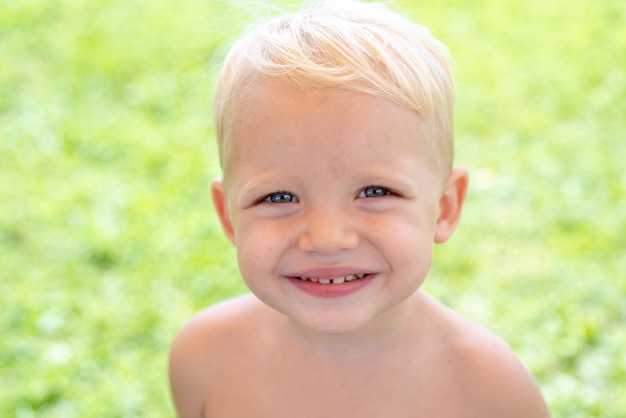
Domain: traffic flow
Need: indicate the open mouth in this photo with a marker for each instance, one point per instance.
(337, 280)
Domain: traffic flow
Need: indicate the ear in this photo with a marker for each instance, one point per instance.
(451, 204)
(221, 207)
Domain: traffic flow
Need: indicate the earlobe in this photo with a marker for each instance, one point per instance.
(451, 204)
(221, 207)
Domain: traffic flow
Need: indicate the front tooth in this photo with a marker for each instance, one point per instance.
(313, 280)
(324, 281)
(339, 280)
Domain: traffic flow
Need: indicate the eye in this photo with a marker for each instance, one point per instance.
(281, 197)
(374, 191)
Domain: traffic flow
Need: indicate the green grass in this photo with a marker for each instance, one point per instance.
(108, 241)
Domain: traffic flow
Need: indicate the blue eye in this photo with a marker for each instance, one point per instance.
(374, 191)
(281, 197)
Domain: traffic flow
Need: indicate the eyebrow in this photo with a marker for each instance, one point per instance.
(257, 185)
(385, 176)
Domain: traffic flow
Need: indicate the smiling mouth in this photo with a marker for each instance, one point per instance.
(337, 280)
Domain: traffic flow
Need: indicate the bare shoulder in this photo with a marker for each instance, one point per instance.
(491, 376)
(202, 348)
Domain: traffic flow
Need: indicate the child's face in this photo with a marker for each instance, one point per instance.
(333, 185)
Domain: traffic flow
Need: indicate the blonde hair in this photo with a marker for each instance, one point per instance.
(365, 47)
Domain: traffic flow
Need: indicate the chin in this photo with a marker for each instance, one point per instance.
(334, 323)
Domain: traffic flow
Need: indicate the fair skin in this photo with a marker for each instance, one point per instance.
(340, 187)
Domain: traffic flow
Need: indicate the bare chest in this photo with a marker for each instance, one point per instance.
(335, 391)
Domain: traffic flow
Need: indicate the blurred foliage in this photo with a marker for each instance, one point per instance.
(108, 241)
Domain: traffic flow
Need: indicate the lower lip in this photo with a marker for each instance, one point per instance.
(331, 290)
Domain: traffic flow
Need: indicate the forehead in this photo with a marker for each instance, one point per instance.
(272, 113)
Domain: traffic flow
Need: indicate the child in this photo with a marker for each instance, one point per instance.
(334, 127)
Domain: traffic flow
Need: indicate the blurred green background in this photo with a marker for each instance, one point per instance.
(108, 241)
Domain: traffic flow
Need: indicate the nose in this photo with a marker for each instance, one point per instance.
(328, 231)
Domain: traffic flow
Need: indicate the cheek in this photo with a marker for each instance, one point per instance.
(408, 242)
(414, 253)
(253, 265)
(258, 248)
(410, 226)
